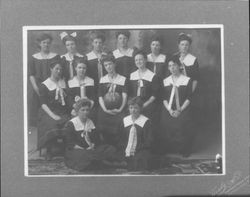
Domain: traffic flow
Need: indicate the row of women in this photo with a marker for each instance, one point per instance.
(84, 100)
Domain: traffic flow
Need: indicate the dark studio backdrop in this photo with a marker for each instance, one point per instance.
(205, 46)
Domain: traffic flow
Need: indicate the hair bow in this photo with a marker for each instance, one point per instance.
(64, 34)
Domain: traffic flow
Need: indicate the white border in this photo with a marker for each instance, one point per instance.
(111, 27)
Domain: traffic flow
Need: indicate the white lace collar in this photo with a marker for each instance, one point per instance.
(159, 59)
(189, 60)
(140, 121)
(68, 58)
(74, 82)
(117, 53)
(119, 80)
(79, 126)
(51, 85)
(181, 81)
(148, 75)
(40, 57)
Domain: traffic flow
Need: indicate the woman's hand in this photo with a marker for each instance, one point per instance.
(91, 146)
(78, 147)
(176, 113)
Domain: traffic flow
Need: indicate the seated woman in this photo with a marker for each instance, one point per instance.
(176, 130)
(54, 111)
(68, 59)
(136, 136)
(144, 83)
(80, 86)
(112, 94)
(83, 147)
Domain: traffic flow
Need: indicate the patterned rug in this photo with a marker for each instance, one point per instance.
(167, 167)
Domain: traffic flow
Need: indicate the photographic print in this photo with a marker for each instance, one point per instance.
(124, 100)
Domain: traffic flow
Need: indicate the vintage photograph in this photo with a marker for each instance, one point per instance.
(129, 100)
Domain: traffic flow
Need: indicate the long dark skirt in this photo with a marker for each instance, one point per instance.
(108, 126)
(140, 161)
(46, 123)
(82, 159)
(176, 134)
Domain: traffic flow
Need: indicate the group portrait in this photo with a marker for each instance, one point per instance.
(124, 100)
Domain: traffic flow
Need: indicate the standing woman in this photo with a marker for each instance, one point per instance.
(39, 68)
(95, 68)
(53, 112)
(123, 54)
(81, 86)
(68, 59)
(189, 63)
(157, 62)
(176, 121)
(112, 94)
(144, 83)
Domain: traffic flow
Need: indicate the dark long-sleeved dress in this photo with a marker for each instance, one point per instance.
(39, 68)
(69, 65)
(135, 145)
(158, 66)
(107, 123)
(95, 69)
(55, 98)
(83, 135)
(175, 133)
(145, 87)
(124, 62)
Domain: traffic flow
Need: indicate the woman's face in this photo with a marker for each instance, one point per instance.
(81, 69)
(140, 61)
(184, 46)
(56, 71)
(155, 47)
(134, 110)
(70, 46)
(97, 44)
(83, 112)
(109, 66)
(173, 68)
(45, 45)
(122, 41)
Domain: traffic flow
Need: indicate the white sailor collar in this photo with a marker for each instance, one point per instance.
(74, 82)
(117, 53)
(51, 85)
(92, 55)
(181, 81)
(148, 75)
(40, 57)
(140, 121)
(79, 126)
(119, 80)
(67, 57)
(160, 58)
(189, 60)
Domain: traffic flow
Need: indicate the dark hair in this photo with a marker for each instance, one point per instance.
(136, 101)
(123, 32)
(68, 38)
(140, 52)
(81, 60)
(183, 36)
(97, 35)
(82, 103)
(44, 36)
(109, 57)
(176, 60)
(54, 63)
(156, 38)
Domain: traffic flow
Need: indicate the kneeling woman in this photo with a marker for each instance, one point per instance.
(176, 119)
(136, 136)
(112, 94)
(83, 148)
